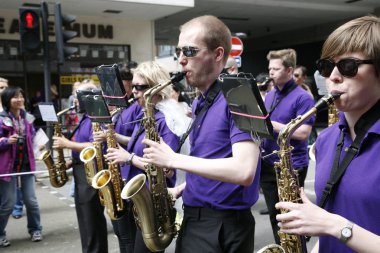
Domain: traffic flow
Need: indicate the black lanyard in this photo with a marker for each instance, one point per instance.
(283, 94)
(361, 128)
(208, 102)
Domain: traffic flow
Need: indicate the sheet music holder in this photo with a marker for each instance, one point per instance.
(80, 96)
(48, 112)
(246, 105)
(112, 85)
(97, 108)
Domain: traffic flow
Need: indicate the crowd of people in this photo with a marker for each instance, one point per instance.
(225, 167)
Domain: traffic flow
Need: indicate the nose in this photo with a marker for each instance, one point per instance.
(336, 76)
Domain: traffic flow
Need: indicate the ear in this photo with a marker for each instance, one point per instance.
(219, 54)
(290, 71)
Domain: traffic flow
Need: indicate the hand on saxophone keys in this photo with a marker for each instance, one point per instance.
(99, 136)
(159, 154)
(296, 222)
(117, 155)
(60, 142)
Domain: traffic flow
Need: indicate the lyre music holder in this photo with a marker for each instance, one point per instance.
(95, 106)
(112, 85)
(246, 105)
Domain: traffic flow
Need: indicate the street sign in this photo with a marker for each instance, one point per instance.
(237, 46)
(238, 61)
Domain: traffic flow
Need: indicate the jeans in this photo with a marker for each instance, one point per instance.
(17, 209)
(8, 199)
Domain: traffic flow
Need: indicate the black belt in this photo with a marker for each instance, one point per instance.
(213, 213)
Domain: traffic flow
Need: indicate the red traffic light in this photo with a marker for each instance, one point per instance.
(29, 20)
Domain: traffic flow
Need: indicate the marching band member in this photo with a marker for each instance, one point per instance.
(222, 170)
(90, 213)
(349, 222)
(145, 76)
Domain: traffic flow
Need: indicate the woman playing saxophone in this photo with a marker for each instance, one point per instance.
(349, 221)
(146, 76)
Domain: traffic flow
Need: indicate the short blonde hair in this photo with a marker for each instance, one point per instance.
(288, 57)
(215, 33)
(3, 80)
(154, 74)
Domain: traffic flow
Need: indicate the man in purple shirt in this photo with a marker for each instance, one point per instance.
(223, 166)
(349, 222)
(284, 102)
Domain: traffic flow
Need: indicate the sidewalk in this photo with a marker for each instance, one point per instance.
(59, 221)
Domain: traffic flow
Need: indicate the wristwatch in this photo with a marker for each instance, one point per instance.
(346, 232)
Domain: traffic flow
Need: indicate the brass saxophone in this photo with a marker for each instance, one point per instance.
(333, 117)
(92, 156)
(153, 207)
(287, 178)
(57, 171)
(110, 183)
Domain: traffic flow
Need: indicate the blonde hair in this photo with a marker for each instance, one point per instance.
(215, 33)
(3, 80)
(288, 57)
(154, 74)
(358, 35)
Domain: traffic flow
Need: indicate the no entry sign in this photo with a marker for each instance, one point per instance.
(237, 46)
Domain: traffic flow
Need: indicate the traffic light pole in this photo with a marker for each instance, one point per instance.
(47, 69)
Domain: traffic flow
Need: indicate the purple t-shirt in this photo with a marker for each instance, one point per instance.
(135, 146)
(296, 103)
(212, 138)
(356, 197)
(83, 133)
(125, 123)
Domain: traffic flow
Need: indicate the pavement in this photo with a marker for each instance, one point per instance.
(60, 228)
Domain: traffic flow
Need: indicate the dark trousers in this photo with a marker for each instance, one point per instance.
(125, 230)
(90, 214)
(268, 184)
(208, 230)
(129, 236)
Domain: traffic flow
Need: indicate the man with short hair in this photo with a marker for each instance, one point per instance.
(284, 102)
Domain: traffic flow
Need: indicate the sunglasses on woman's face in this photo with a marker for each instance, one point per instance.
(140, 87)
(187, 51)
(348, 67)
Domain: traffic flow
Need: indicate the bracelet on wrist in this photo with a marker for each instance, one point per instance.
(129, 161)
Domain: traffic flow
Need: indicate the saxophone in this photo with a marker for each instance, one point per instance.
(153, 207)
(57, 172)
(110, 183)
(287, 178)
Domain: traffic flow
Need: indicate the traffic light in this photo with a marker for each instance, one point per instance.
(62, 34)
(29, 25)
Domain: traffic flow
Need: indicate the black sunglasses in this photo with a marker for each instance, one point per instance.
(140, 87)
(348, 67)
(296, 75)
(187, 51)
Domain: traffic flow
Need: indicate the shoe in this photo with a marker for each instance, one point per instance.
(264, 211)
(4, 242)
(16, 216)
(36, 236)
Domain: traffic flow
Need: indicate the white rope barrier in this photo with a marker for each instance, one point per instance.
(23, 173)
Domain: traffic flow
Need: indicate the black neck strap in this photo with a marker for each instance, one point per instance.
(283, 93)
(361, 128)
(208, 102)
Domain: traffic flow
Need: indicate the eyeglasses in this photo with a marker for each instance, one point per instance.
(140, 87)
(348, 67)
(187, 51)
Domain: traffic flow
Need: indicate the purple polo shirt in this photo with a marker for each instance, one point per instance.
(212, 138)
(83, 133)
(296, 103)
(356, 196)
(125, 125)
(135, 145)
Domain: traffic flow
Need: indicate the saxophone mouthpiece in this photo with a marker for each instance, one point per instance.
(336, 95)
(177, 77)
(131, 100)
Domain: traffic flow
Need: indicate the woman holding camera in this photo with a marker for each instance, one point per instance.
(16, 156)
